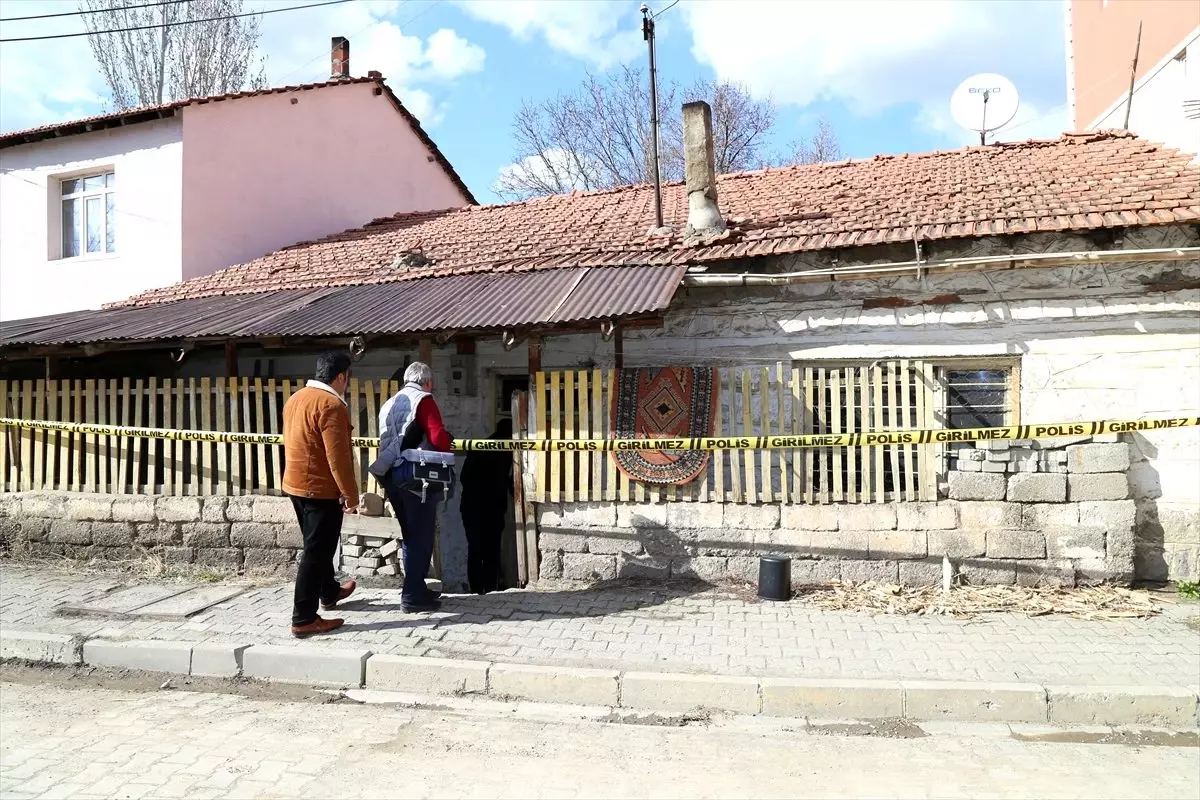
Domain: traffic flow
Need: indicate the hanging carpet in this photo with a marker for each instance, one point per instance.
(670, 403)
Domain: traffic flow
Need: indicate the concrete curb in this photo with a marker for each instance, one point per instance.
(823, 698)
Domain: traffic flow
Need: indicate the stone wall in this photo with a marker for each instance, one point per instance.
(1057, 512)
(251, 534)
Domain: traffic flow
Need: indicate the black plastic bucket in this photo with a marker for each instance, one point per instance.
(774, 578)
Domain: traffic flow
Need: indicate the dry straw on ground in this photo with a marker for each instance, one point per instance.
(1096, 602)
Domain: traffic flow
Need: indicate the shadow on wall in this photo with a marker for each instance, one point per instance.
(1145, 486)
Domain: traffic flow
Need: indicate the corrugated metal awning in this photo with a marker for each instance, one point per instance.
(483, 301)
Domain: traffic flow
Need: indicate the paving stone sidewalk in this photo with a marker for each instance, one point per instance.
(678, 629)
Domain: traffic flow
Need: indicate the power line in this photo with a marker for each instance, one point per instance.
(658, 14)
(176, 24)
(94, 11)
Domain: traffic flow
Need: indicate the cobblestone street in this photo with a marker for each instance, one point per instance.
(684, 630)
(88, 740)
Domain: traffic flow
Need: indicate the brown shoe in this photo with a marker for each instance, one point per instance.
(347, 589)
(318, 625)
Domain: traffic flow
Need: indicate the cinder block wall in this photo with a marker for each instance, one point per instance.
(1057, 512)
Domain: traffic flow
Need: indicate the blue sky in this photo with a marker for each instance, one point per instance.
(880, 71)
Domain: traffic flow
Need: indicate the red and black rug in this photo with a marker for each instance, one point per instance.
(668, 403)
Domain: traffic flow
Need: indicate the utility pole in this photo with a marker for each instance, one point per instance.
(648, 35)
(1137, 51)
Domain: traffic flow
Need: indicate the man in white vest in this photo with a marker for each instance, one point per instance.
(410, 421)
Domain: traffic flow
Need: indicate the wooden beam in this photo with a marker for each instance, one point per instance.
(618, 349)
(231, 359)
(426, 352)
(534, 343)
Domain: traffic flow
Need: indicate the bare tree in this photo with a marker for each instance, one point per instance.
(599, 136)
(822, 146)
(180, 57)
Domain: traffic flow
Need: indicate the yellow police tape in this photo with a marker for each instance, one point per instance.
(780, 442)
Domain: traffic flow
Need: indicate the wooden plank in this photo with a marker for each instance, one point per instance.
(120, 412)
(38, 441)
(53, 443)
(850, 376)
(925, 455)
(222, 461)
(205, 456)
(108, 458)
(750, 485)
(373, 403)
(556, 467)
(584, 432)
(171, 421)
(836, 406)
(826, 426)
(178, 461)
(136, 399)
(5, 470)
(262, 481)
(246, 404)
(908, 451)
(879, 485)
(88, 453)
(355, 403)
(288, 389)
(570, 431)
(596, 386)
(542, 493)
(782, 425)
(153, 446)
(764, 389)
(806, 426)
(890, 401)
(796, 426)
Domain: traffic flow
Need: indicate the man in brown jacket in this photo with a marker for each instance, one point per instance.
(319, 477)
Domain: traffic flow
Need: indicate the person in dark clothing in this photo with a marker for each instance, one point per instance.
(486, 482)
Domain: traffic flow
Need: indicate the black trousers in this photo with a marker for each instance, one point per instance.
(484, 534)
(321, 523)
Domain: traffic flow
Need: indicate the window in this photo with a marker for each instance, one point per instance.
(89, 225)
(977, 397)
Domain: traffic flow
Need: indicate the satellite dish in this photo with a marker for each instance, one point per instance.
(984, 103)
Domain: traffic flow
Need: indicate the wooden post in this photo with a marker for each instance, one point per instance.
(534, 344)
(426, 353)
(231, 360)
(618, 349)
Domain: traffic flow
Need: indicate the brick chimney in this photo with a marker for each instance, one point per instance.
(699, 170)
(339, 58)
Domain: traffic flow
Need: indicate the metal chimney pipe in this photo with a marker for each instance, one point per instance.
(648, 35)
(700, 172)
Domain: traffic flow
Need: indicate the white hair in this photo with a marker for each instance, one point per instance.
(419, 373)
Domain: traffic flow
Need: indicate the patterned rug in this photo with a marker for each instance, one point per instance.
(664, 404)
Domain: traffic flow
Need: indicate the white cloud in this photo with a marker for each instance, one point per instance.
(873, 54)
(49, 81)
(545, 170)
(600, 32)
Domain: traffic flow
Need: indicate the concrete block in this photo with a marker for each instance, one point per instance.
(578, 515)
(994, 445)
(152, 656)
(10, 505)
(957, 544)
(683, 516)
(1098, 457)
(44, 505)
(867, 517)
(219, 557)
(663, 691)
(570, 685)
(289, 536)
(739, 517)
(564, 541)
(44, 648)
(639, 515)
(64, 531)
(961, 465)
(299, 664)
(832, 698)
(1075, 542)
(388, 569)
(839, 544)
(422, 675)
(990, 516)
(352, 550)
(870, 572)
(1083, 486)
(89, 507)
(178, 555)
(217, 659)
(1041, 516)
(273, 511)
(982, 572)
(157, 533)
(211, 534)
(550, 566)
(389, 548)
(177, 509)
(614, 543)
(705, 568)
(974, 702)
(589, 567)
(897, 544)
(994, 467)
(926, 516)
(806, 517)
(1059, 442)
(921, 573)
(112, 534)
(1025, 487)
(1112, 515)
(251, 534)
(807, 572)
(997, 456)
(239, 509)
(267, 559)
(212, 509)
(635, 566)
(981, 486)
(1159, 706)
(742, 568)
(1016, 544)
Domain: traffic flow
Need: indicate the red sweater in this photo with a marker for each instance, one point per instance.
(430, 420)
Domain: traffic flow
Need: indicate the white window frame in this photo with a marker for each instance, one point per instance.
(81, 197)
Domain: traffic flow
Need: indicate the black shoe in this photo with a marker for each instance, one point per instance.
(421, 607)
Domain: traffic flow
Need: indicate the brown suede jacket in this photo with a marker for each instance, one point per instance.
(319, 463)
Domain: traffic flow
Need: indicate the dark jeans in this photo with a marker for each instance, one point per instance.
(321, 524)
(418, 526)
(483, 550)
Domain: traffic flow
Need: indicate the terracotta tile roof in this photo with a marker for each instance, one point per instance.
(147, 113)
(1077, 182)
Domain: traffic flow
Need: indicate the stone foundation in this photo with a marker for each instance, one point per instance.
(239, 534)
(1057, 513)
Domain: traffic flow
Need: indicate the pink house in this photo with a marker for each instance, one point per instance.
(95, 210)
